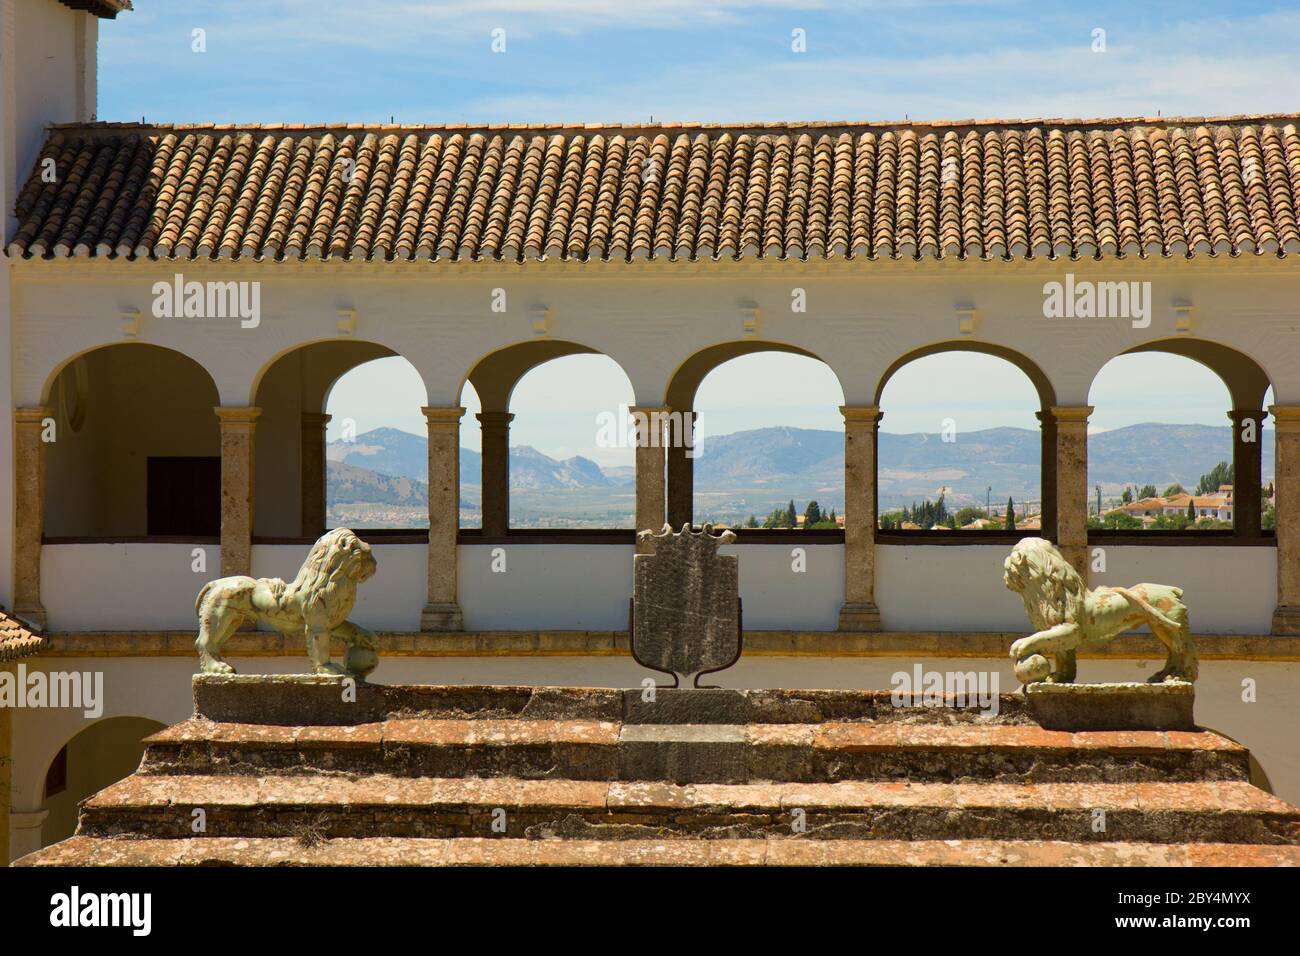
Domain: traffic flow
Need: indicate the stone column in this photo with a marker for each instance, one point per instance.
(681, 473)
(1247, 469)
(1286, 488)
(442, 611)
(237, 425)
(1047, 476)
(495, 427)
(1072, 483)
(313, 473)
(860, 612)
(650, 465)
(29, 507)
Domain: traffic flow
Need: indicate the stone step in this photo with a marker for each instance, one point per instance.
(322, 807)
(506, 851)
(698, 753)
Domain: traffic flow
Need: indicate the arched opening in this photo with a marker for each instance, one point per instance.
(339, 441)
(115, 469)
(102, 754)
(551, 456)
(1179, 444)
(768, 451)
(965, 445)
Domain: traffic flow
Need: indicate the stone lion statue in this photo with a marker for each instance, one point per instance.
(315, 605)
(1070, 617)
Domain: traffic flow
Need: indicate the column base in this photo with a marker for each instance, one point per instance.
(859, 617)
(442, 617)
(25, 832)
(1286, 619)
(33, 615)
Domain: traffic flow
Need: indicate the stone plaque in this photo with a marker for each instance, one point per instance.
(685, 603)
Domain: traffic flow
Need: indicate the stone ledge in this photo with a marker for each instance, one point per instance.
(906, 644)
(478, 851)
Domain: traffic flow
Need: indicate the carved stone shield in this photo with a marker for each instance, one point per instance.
(685, 603)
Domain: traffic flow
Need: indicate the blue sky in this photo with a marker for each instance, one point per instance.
(726, 61)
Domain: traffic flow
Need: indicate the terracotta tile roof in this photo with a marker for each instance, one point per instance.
(105, 9)
(17, 641)
(951, 189)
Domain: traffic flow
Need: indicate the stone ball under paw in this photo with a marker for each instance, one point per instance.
(1033, 669)
(360, 661)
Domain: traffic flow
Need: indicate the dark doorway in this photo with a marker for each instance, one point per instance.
(184, 497)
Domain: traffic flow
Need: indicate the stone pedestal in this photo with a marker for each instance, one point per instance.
(1072, 484)
(442, 611)
(313, 473)
(859, 612)
(237, 425)
(29, 512)
(1286, 424)
(1079, 707)
(495, 428)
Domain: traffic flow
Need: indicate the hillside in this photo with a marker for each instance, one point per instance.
(754, 471)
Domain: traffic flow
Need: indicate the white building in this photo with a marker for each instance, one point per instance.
(479, 253)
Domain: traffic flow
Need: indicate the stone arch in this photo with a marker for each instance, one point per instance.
(101, 754)
(679, 396)
(1042, 384)
(494, 378)
(1047, 400)
(1245, 379)
(291, 391)
(109, 470)
(1247, 384)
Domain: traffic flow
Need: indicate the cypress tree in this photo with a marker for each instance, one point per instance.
(1011, 515)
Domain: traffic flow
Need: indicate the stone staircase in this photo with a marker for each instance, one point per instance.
(281, 771)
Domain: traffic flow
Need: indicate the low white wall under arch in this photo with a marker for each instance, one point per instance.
(152, 586)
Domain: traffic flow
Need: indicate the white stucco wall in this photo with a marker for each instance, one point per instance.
(150, 586)
(776, 597)
(120, 587)
(1228, 590)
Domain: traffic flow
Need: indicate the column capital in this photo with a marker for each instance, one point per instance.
(495, 418)
(1071, 414)
(861, 414)
(32, 414)
(445, 416)
(1286, 418)
(1237, 414)
(649, 409)
(233, 416)
(315, 419)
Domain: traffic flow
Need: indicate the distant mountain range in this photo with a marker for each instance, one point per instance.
(754, 471)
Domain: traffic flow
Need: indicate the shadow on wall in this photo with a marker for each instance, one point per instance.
(100, 755)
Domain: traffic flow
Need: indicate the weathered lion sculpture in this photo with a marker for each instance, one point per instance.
(1070, 617)
(315, 605)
